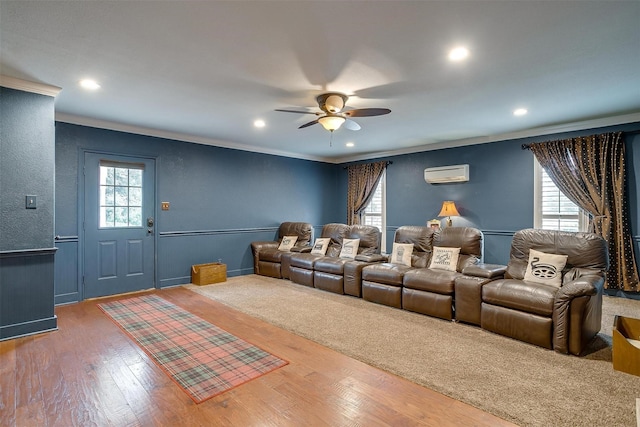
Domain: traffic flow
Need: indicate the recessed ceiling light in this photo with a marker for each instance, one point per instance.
(89, 84)
(259, 123)
(520, 112)
(350, 144)
(458, 54)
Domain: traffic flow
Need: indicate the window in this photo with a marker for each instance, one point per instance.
(375, 213)
(553, 210)
(120, 195)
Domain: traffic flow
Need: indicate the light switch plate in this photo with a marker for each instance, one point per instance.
(165, 206)
(30, 202)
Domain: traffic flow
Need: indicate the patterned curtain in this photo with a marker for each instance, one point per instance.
(362, 182)
(590, 171)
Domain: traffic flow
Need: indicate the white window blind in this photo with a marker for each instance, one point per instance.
(554, 210)
(375, 212)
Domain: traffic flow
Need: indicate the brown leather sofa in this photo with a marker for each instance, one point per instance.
(267, 259)
(419, 288)
(562, 318)
(327, 271)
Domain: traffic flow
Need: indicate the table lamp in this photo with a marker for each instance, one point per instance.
(448, 210)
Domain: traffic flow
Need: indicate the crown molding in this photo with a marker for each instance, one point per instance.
(139, 130)
(27, 86)
(527, 133)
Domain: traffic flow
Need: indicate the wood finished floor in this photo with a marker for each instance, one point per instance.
(89, 373)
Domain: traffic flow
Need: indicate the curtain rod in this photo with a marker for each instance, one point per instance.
(389, 162)
(633, 132)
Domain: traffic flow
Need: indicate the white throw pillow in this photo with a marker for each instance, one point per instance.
(401, 253)
(320, 246)
(545, 268)
(287, 243)
(349, 248)
(444, 258)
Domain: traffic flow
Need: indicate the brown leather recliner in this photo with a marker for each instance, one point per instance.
(382, 282)
(266, 256)
(562, 318)
(329, 272)
(432, 291)
(301, 264)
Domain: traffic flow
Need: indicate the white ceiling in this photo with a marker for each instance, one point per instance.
(203, 71)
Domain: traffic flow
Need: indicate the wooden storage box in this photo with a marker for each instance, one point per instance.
(206, 274)
(626, 345)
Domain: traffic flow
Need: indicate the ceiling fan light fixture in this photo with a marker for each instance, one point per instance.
(334, 103)
(331, 123)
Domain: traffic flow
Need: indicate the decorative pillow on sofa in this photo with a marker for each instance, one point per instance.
(444, 258)
(545, 268)
(349, 248)
(401, 253)
(320, 246)
(287, 243)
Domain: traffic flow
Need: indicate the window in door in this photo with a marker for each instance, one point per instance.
(120, 195)
(554, 210)
(375, 212)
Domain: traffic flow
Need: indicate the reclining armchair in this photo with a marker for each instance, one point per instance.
(338, 275)
(382, 282)
(267, 258)
(551, 293)
(431, 291)
(301, 264)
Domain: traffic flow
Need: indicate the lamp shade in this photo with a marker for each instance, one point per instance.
(448, 209)
(331, 123)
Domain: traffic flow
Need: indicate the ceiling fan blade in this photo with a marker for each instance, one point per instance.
(297, 111)
(351, 125)
(313, 122)
(367, 112)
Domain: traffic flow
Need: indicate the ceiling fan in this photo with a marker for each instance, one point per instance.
(333, 114)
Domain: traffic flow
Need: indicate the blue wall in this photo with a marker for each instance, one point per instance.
(221, 200)
(26, 235)
(26, 168)
(498, 199)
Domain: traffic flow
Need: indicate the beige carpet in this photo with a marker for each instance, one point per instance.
(527, 385)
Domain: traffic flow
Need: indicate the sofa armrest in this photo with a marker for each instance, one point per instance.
(586, 285)
(258, 246)
(487, 271)
(301, 249)
(372, 258)
(468, 298)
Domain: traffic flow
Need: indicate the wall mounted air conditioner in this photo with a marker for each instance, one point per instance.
(444, 174)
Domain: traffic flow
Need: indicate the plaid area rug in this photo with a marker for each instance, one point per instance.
(201, 358)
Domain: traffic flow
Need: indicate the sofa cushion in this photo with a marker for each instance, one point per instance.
(390, 274)
(444, 258)
(330, 265)
(545, 268)
(519, 295)
(287, 243)
(369, 238)
(425, 279)
(304, 260)
(336, 232)
(321, 245)
(401, 253)
(349, 248)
